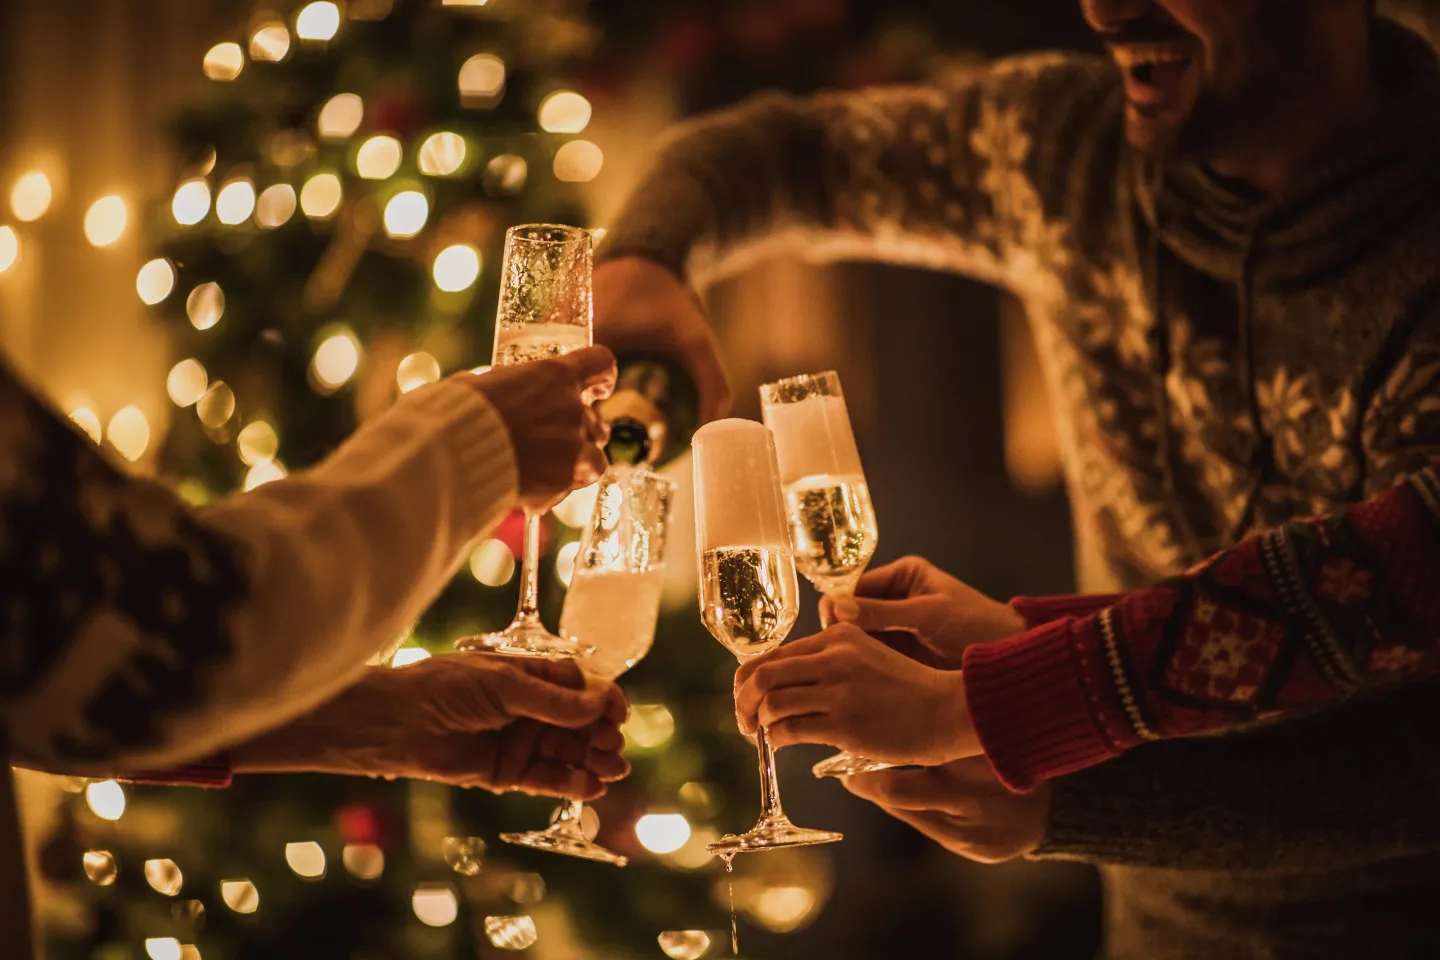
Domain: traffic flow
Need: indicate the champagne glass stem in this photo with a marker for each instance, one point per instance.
(530, 570)
(769, 782)
(571, 812)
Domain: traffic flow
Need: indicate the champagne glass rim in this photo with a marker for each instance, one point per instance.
(802, 378)
(540, 233)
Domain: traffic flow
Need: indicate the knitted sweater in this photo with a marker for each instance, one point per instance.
(142, 633)
(1219, 363)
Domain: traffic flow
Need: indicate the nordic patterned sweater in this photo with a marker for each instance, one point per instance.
(1221, 364)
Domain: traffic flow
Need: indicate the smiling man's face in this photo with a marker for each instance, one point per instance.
(1203, 76)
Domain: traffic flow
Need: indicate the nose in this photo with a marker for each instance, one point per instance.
(1104, 15)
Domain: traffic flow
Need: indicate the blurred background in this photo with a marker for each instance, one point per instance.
(230, 232)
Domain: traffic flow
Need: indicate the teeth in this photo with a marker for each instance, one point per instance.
(1135, 55)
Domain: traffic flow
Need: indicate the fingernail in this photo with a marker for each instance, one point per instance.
(846, 610)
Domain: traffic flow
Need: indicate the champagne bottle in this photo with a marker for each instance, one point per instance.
(652, 413)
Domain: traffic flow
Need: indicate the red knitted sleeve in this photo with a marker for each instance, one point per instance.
(1286, 620)
(210, 772)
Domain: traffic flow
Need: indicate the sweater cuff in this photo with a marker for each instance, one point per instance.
(482, 456)
(1037, 610)
(1034, 705)
(212, 772)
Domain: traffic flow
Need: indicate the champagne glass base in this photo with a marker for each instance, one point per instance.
(524, 638)
(565, 841)
(846, 764)
(775, 833)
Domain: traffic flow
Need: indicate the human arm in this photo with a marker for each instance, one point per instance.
(979, 174)
(143, 633)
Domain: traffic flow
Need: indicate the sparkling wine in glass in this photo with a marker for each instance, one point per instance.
(749, 598)
(612, 607)
(827, 501)
(545, 311)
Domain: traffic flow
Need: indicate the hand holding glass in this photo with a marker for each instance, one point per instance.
(748, 594)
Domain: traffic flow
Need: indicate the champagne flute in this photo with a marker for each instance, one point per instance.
(827, 501)
(748, 593)
(612, 607)
(545, 311)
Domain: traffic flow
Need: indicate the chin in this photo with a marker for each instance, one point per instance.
(1150, 136)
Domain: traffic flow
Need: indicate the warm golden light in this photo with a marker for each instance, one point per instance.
(100, 867)
(336, 359)
(31, 196)
(578, 161)
(482, 77)
(235, 202)
(129, 433)
(378, 158)
(291, 147)
(106, 799)
(511, 933)
(783, 908)
(364, 861)
(408, 655)
(341, 116)
(492, 563)
(369, 9)
(217, 406)
(662, 832)
(263, 473)
(86, 420)
(318, 21)
(684, 944)
(321, 195)
(205, 305)
(416, 371)
(187, 382)
(564, 111)
(155, 281)
(270, 42)
(306, 859)
(406, 213)
(442, 154)
(9, 248)
(105, 221)
(188, 951)
(457, 268)
(224, 61)
(650, 725)
(506, 174)
(577, 506)
(435, 904)
(164, 876)
(565, 562)
(162, 948)
(275, 206)
(240, 895)
(191, 203)
(257, 443)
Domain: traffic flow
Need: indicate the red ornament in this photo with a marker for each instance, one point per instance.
(511, 532)
(397, 113)
(358, 823)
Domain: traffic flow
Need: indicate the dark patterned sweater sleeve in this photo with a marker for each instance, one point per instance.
(1286, 621)
(139, 634)
(952, 176)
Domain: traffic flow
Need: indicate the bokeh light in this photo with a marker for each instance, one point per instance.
(341, 116)
(318, 21)
(406, 213)
(336, 359)
(9, 248)
(205, 305)
(217, 406)
(164, 876)
(31, 196)
(263, 473)
(240, 895)
(457, 268)
(105, 221)
(416, 371)
(235, 202)
(365, 861)
(435, 905)
(270, 42)
(88, 421)
(101, 867)
(155, 281)
(662, 832)
(511, 933)
(321, 195)
(684, 944)
(163, 948)
(408, 655)
(492, 563)
(578, 505)
(565, 561)
(482, 77)
(129, 432)
(275, 206)
(224, 61)
(191, 202)
(564, 111)
(781, 909)
(187, 382)
(650, 725)
(379, 157)
(106, 799)
(257, 443)
(307, 859)
(505, 174)
(578, 161)
(442, 154)
(291, 147)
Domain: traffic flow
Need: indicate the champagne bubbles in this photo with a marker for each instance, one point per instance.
(435, 905)
(465, 855)
(164, 876)
(511, 933)
(684, 944)
(101, 867)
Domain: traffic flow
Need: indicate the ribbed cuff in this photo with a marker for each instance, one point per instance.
(1038, 610)
(1029, 702)
(213, 772)
(486, 475)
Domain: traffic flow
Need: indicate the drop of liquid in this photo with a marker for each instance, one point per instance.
(684, 944)
(729, 859)
(100, 867)
(511, 933)
(465, 855)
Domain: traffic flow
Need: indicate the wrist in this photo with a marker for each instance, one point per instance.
(952, 718)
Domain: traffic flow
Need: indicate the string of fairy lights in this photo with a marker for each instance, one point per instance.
(237, 202)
